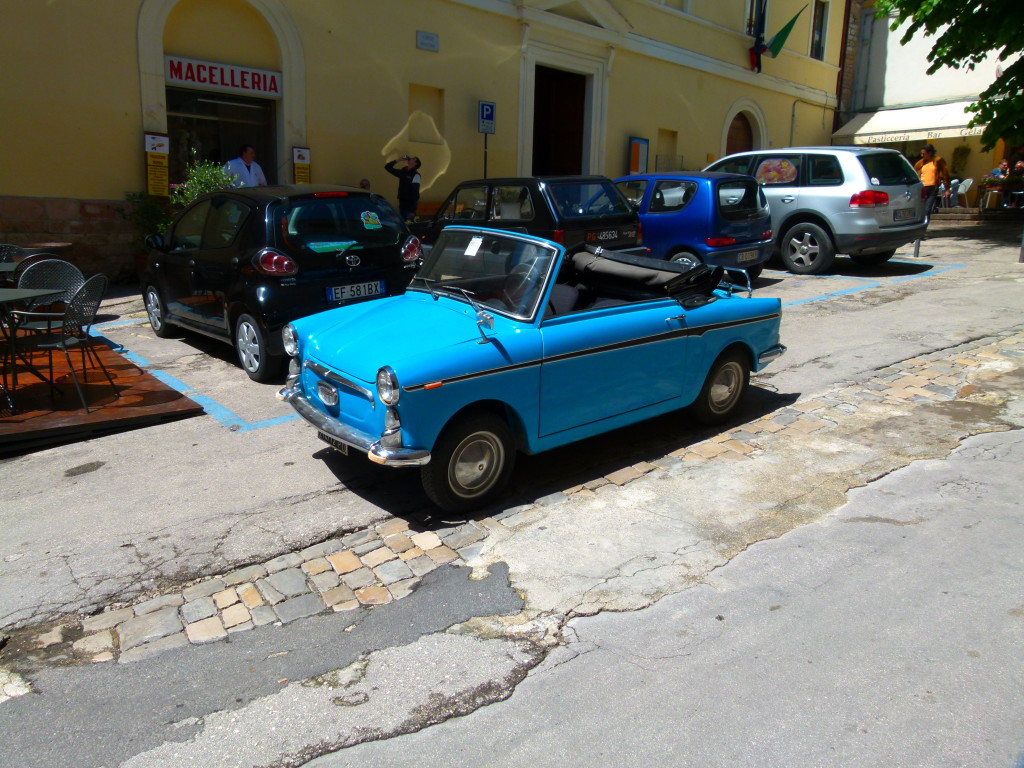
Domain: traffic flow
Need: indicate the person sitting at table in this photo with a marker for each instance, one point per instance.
(1001, 171)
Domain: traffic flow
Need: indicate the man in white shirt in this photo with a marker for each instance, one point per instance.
(245, 169)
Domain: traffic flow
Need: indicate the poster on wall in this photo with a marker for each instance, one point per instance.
(300, 165)
(638, 154)
(157, 149)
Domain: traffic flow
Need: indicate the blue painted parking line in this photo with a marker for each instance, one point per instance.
(235, 423)
(868, 283)
(224, 415)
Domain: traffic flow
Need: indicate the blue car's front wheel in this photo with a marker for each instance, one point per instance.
(471, 463)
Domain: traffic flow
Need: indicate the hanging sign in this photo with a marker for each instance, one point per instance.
(226, 78)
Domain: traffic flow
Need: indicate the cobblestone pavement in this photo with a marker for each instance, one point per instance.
(376, 566)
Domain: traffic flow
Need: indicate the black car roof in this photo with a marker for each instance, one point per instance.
(285, 191)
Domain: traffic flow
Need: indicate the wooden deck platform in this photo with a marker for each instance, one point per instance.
(42, 419)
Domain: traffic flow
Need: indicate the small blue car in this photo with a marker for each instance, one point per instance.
(720, 219)
(503, 343)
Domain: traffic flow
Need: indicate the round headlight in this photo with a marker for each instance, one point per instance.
(387, 386)
(291, 340)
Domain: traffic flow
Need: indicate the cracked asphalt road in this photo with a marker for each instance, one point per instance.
(620, 549)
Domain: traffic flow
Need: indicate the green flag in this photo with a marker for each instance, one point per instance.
(775, 44)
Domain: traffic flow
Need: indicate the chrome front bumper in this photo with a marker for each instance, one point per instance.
(368, 444)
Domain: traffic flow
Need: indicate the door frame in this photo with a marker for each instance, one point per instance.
(595, 105)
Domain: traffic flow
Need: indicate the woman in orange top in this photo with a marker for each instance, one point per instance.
(933, 171)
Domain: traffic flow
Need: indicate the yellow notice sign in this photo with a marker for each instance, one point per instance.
(156, 180)
(300, 165)
(156, 147)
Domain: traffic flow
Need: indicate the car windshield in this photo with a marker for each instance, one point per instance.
(888, 168)
(575, 199)
(494, 270)
(331, 221)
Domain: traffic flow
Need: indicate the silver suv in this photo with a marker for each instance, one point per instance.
(861, 201)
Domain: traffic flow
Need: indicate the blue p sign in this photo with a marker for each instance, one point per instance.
(486, 117)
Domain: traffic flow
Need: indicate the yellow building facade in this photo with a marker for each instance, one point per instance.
(330, 89)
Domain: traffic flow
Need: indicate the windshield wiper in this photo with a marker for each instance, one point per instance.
(427, 281)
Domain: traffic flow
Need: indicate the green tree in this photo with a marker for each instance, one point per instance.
(965, 32)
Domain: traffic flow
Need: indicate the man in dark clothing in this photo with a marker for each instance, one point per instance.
(408, 185)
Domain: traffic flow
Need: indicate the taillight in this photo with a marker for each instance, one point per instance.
(869, 198)
(766, 235)
(558, 236)
(271, 262)
(411, 250)
(330, 194)
(718, 242)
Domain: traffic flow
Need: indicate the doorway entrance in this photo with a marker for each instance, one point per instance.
(215, 125)
(741, 135)
(559, 105)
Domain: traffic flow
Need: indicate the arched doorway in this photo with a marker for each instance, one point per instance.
(278, 33)
(741, 135)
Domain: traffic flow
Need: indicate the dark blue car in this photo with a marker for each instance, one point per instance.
(721, 219)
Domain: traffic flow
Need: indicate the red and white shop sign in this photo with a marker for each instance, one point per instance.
(226, 78)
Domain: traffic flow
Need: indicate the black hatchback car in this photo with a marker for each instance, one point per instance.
(239, 264)
(574, 211)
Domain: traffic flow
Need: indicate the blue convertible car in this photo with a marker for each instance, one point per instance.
(504, 343)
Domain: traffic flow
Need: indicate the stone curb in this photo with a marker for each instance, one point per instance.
(385, 563)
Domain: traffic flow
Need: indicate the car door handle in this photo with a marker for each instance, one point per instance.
(787, 199)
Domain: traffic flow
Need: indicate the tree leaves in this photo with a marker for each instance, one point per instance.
(965, 32)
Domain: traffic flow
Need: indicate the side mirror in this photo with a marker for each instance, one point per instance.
(156, 242)
(484, 320)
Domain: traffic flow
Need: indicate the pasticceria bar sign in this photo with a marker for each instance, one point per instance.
(226, 78)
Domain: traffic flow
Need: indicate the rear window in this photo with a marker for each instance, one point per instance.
(741, 200)
(577, 200)
(888, 168)
(335, 221)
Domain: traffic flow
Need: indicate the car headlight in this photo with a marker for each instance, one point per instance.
(387, 386)
(291, 340)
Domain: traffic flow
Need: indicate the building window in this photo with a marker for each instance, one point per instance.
(818, 26)
(752, 15)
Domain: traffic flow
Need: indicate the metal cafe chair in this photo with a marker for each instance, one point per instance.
(73, 331)
(52, 273)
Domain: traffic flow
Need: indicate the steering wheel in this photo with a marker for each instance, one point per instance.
(517, 282)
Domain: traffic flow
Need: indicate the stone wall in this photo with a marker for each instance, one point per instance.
(100, 238)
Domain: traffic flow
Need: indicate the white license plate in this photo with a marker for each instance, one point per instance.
(743, 256)
(355, 291)
(902, 214)
(336, 444)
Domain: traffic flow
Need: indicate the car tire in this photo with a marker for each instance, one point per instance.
(684, 256)
(754, 272)
(872, 259)
(157, 312)
(723, 389)
(471, 463)
(807, 249)
(251, 346)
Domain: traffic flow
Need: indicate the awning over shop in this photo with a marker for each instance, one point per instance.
(888, 126)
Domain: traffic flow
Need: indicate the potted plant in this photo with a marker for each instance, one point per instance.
(152, 215)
